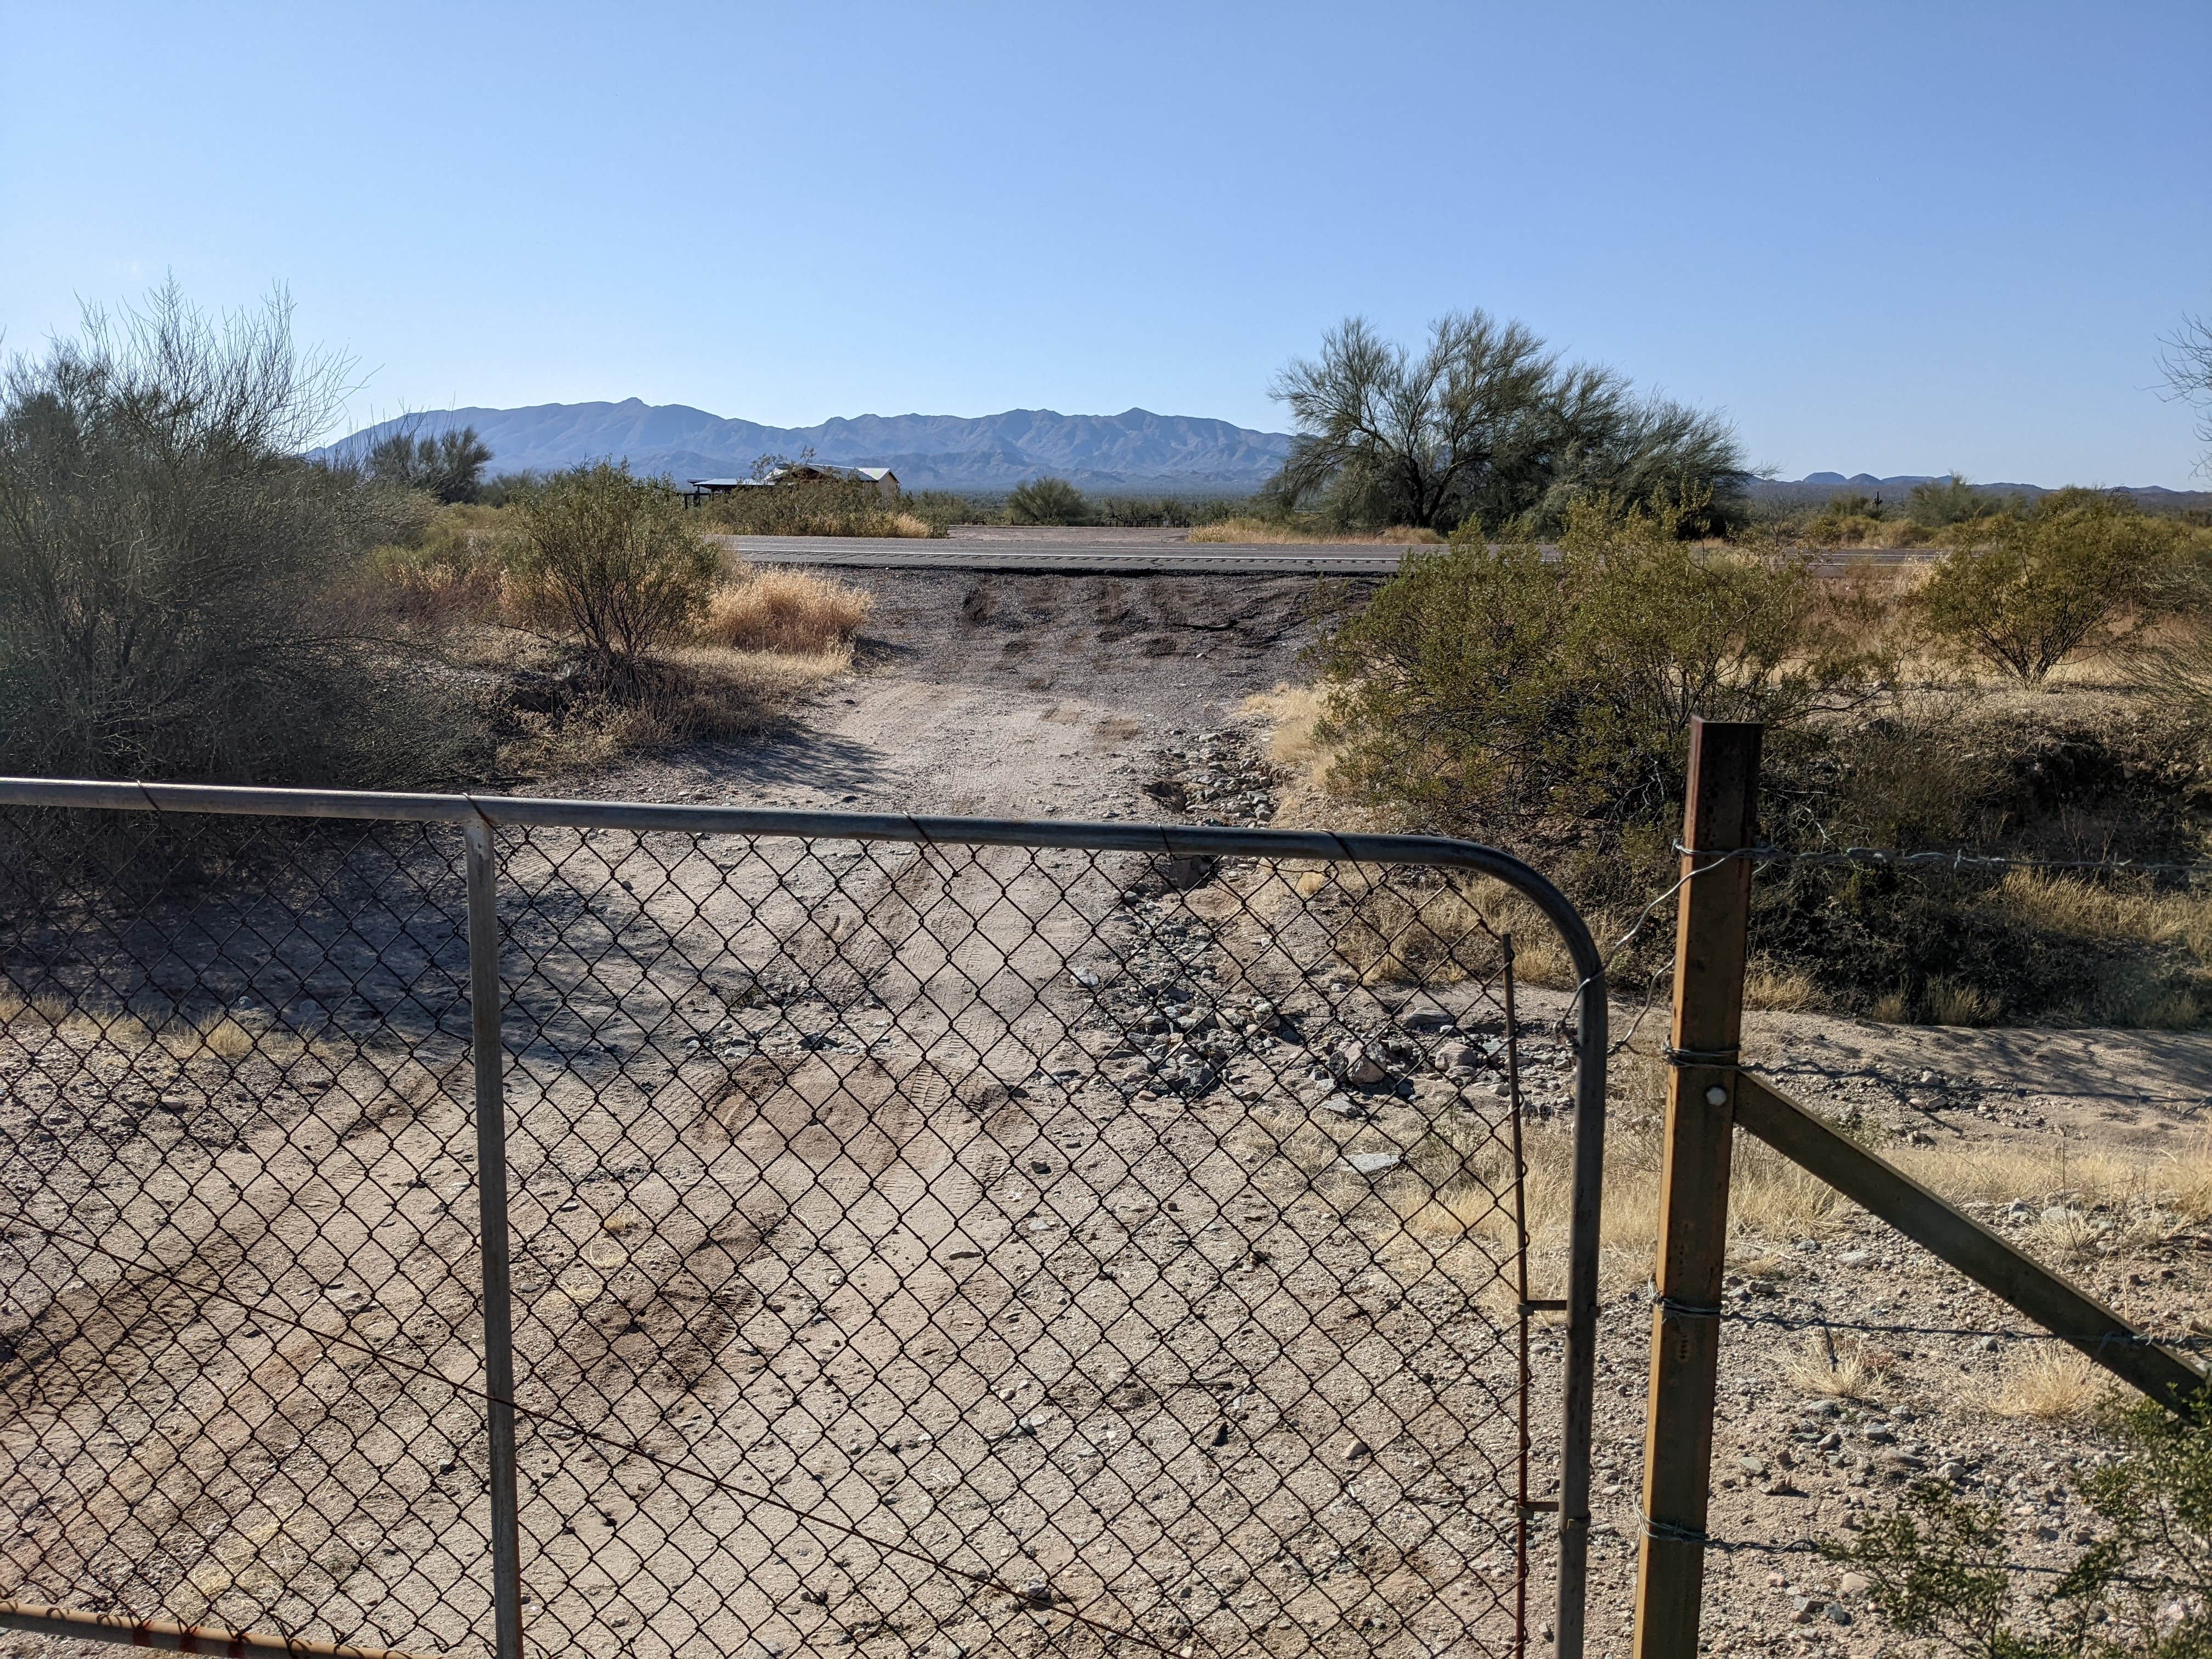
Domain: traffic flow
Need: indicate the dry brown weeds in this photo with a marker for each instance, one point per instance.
(2046, 1382)
(1269, 533)
(791, 612)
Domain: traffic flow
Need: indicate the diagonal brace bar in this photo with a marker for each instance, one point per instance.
(2167, 1376)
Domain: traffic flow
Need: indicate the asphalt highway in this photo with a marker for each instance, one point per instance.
(1124, 556)
(1124, 553)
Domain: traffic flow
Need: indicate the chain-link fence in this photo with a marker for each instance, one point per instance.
(486, 1225)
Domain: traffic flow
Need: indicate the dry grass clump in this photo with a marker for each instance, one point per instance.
(72, 1022)
(1771, 1199)
(456, 574)
(1825, 1369)
(1442, 934)
(1292, 714)
(219, 1034)
(1270, 532)
(2058, 1171)
(216, 1034)
(2046, 1382)
(793, 612)
(683, 696)
(1779, 990)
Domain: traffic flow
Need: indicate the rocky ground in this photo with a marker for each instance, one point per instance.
(1179, 1207)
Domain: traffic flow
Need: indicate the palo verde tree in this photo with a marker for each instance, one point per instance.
(179, 591)
(1485, 422)
(449, 465)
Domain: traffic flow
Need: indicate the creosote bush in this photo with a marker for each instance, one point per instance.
(611, 560)
(2020, 592)
(1544, 700)
(1046, 501)
(1543, 703)
(2142, 1589)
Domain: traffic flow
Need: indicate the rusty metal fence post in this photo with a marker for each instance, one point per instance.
(1721, 816)
(489, 1057)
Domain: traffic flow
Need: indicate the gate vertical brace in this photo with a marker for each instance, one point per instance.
(489, 1053)
(1713, 918)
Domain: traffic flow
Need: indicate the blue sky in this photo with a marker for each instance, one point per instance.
(1891, 238)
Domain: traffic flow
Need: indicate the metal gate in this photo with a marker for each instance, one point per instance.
(480, 1224)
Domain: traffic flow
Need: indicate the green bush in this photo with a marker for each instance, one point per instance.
(1485, 422)
(449, 467)
(1495, 690)
(2022, 591)
(1951, 500)
(2143, 1589)
(821, 506)
(180, 595)
(1048, 500)
(611, 560)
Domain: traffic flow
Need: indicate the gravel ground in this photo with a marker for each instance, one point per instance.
(1077, 697)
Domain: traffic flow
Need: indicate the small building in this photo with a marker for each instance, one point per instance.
(699, 488)
(793, 475)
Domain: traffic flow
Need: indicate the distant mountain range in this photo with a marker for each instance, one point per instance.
(1815, 488)
(1134, 452)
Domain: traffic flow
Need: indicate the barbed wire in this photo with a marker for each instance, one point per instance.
(2008, 1334)
(1706, 858)
(1957, 859)
(1667, 1533)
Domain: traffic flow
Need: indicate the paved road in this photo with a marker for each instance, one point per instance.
(1098, 555)
(1124, 553)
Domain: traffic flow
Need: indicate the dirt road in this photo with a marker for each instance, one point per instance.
(1015, 696)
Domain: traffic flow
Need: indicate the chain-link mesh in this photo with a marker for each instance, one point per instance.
(915, 1247)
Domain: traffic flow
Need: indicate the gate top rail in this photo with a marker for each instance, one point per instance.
(1175, 840)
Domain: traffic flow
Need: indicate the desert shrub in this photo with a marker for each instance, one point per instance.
(452, 571)
(180, 593)
(2142, 1589)
(554, 719)
(1048, 500)
(788, 610)
(1485, 422)
(941, 509)
(1854, 518)
(1544, 700)
(2022, 591)
(1543, 704)
(1180, 512)
(509, 489)
(1942, 502)
(820, 507)
(611, 559)
(448, 466)
(1970, 944)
